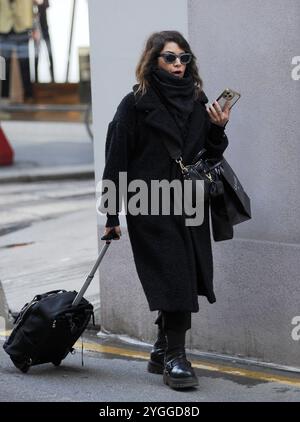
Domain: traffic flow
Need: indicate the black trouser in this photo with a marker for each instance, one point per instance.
(19, 42)
(172, 327)
(175, 321)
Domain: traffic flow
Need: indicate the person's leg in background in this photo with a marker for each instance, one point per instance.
(46, 36)
(50, 55)
(37, 49)
(157, 355)
(23, 56)
(178, 372)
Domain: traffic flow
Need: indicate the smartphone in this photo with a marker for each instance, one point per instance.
(228, 95)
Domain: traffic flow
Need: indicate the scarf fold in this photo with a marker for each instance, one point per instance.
(177, 94)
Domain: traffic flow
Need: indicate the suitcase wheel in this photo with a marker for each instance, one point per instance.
(23, 366)
(56, 362)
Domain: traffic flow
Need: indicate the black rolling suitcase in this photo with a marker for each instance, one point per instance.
(47, 328)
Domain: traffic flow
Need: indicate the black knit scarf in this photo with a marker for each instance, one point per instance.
(177, 94)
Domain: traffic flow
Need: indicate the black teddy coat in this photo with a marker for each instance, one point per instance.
(173, 261)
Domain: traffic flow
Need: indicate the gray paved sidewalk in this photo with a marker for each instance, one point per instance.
(109, 377)
(56, 254)
(47, 150)
(22, 204)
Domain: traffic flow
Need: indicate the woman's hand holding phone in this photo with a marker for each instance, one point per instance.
(219, 111)
(217, 115)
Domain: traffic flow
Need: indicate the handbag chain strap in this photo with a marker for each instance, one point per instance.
(184, 170)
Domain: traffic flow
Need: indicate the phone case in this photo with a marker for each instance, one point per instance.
(228, 95)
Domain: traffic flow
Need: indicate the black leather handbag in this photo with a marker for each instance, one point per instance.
(220, 179)
(229, 203)
(208, 170)
(237, 201)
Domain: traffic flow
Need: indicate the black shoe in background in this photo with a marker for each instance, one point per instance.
(157, 355)
(156, 362)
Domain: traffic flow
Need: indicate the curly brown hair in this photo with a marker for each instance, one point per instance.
(148, 60)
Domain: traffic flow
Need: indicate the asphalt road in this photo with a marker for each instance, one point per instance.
(109, 375)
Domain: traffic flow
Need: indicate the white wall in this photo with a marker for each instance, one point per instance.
(256, 275)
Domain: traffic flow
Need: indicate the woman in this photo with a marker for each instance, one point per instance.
(173, 260)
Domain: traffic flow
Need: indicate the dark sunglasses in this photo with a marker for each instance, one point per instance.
(185, 58)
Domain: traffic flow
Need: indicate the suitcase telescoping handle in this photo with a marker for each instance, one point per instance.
(108, 238)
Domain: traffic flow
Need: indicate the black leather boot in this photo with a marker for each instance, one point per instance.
(178, 372)
(157, 355)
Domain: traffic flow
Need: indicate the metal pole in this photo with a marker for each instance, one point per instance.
(90, 277)
(71, 39)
